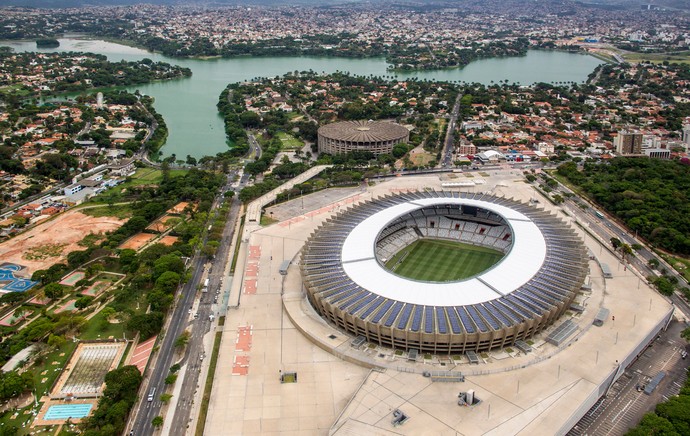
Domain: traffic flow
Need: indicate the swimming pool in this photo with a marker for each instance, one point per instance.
(64, 411)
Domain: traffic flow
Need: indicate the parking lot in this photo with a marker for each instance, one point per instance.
(626, 403)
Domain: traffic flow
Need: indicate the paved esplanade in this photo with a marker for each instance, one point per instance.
(254, 208)
(333, 395)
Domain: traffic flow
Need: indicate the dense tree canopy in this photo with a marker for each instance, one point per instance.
(649, 195)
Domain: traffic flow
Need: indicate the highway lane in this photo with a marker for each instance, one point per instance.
(146, 410)
(254, 147)
(192, 387)
(149, 410)
(447, 152)
(606, 229)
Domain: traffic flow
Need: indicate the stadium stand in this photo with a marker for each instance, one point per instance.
(512, 316)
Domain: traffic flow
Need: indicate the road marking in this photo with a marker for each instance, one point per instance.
(615, 418)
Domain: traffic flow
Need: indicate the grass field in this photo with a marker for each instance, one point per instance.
(289, 141)
(441, 261)
(682, 57)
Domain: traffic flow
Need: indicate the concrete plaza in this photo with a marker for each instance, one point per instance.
(274, 331)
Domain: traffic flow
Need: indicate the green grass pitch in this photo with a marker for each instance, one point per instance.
(434, 260)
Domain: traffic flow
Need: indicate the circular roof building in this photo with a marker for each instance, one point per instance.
(378, 137)
(497, 271)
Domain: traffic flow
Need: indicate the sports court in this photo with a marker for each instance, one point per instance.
(9, 282)
(96, 289)
(67, 307)
(137, 241)
(179, 208)
(168, 240)
(141, 354)
(161, 224)
(37, 300)
(72, 278)
(440, 261)
(12, 319)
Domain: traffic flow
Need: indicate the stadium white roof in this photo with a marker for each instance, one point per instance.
(524, 260)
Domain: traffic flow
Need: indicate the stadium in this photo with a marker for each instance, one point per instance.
(443, 272)
(377, 137)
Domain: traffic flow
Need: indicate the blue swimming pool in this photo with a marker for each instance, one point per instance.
(64, 411)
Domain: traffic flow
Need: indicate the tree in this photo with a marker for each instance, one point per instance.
(653, 424)
(168, 282)
(616, 243)
(685, 334)
(170, 379)
(83, 302)
(168, 262)
(653, 262)
(13, 384)
(147, 324)
(56, 341)
(165, 398)
(108, 312)
(157, 421)
(210, 248)
(12, 298)
(182, 340)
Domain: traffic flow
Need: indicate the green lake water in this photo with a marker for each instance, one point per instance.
(189, 105)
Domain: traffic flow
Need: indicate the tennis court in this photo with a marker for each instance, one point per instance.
(72, 278)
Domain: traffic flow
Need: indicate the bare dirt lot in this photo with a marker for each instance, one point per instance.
(51, 241)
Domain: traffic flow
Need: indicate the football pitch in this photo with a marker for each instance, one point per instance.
(434, 260)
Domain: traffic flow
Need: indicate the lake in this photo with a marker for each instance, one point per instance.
(189, 105)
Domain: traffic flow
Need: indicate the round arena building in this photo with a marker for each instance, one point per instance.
(443, 272)
(378, 137)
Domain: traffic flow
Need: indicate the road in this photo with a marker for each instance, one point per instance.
(179, 320)
(254, 147)
(447, 153)
(624, 405)
(202, 324)
(149, 410)
(606, 229)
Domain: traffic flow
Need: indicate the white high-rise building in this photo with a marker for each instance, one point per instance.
(686, 134)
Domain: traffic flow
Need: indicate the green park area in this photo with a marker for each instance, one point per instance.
(442, 261)
(681, 57)
(289, 141)
(680, 264)
(148, 176)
